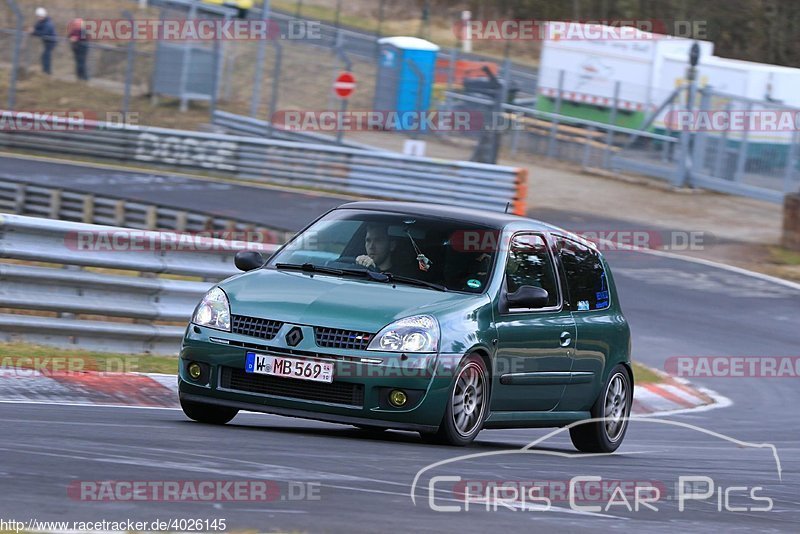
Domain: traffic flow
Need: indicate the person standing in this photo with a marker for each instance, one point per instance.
(80, 47)
(46, 31)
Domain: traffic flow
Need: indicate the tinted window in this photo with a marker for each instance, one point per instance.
(586, 278)
(454, 254)
(529, 264)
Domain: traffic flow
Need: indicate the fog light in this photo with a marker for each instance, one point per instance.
(398, 397)
(195, 371)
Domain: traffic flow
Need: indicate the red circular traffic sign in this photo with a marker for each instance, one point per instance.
(344, 85)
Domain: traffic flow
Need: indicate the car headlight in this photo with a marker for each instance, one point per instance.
(213, 311)
(419, 333)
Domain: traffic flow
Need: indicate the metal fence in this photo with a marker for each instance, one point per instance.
(762, 165)
(90, 299)
(120, 69)
(336, 169)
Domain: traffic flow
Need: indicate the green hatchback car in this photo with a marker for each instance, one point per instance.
(418, 317)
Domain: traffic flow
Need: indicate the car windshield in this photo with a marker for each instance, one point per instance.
(431, 252)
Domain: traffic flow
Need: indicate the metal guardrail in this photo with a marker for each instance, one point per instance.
(21, 198)
(337, 169)
(99, 310)
(248, 126)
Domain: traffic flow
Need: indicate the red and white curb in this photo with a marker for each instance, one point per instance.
(89, 388)
(160, 391)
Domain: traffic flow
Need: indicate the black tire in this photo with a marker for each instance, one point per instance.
(605, 436)
(461, 427)
(207, 413)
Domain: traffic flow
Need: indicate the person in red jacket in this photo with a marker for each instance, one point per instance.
(80, 47)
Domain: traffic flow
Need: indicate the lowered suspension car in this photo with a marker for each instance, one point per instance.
(417, 317)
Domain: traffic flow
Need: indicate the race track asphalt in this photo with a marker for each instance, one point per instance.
(276, 208)
(362, 482)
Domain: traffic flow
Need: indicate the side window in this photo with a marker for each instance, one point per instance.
(586, 278)
(530, 264)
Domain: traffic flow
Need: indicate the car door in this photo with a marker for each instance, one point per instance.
(588, 297)
(533, 356)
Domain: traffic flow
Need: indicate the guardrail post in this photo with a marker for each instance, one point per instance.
(88, 209)
(180, 221)
(119, 213)
(151, 218)
(55, 203)
(19, 201)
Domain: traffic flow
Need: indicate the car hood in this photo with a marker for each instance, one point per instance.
(336, 302)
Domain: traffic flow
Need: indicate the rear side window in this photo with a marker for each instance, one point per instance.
(586, 278)
(529, 264)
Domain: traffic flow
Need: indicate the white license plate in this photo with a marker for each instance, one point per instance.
(265, 364)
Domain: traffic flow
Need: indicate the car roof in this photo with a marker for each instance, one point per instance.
(468, 215)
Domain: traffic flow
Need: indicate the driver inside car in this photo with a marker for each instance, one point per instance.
(379, 247)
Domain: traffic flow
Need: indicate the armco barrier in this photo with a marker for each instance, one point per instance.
(126, 313)
(21, 198)
(248, 126)
(338, 169)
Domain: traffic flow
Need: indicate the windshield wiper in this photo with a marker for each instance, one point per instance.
(414, 281)
(364, 273)
(311, 268)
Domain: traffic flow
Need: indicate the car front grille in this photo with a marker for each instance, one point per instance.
(344, 393)
(255, 327)
(342, 339)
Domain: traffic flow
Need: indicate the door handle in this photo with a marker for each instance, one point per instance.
(566, 339)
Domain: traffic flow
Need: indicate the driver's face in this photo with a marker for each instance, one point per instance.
(377, 245)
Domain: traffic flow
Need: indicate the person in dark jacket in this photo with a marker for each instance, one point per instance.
(80, 47)
(46, 31)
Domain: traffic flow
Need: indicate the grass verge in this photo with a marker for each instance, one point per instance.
(645, 375)
(27, 356)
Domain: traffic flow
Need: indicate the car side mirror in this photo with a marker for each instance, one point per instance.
(247, 260)
(528, 297)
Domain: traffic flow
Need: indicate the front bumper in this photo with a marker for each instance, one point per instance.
(426, 379)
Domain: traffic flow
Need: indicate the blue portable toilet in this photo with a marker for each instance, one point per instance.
(405, 76)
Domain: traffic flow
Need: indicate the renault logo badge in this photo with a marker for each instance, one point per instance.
(294, 336)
